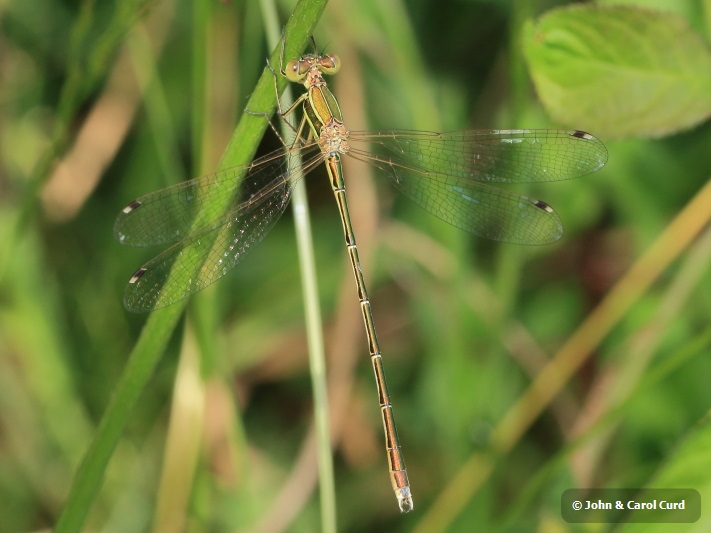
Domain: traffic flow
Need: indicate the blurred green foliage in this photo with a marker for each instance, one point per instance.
(102, 102)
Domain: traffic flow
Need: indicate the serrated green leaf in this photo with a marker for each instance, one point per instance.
(619, 71)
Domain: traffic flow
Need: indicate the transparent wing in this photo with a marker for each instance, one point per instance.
(447, 174)
(169, 215)
(513, 156)
(218, 245)
(204, 257)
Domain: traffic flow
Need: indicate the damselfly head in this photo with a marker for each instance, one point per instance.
(297, 69)
(329, 63)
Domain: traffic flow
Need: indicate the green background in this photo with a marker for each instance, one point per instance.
(515, 372)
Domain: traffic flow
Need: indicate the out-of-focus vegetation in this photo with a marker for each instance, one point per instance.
(515, 372)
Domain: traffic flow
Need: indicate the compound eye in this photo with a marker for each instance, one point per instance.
(330, 63)
(294, 70)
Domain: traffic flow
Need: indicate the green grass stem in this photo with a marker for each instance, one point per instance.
(160, 325)
(309, 284)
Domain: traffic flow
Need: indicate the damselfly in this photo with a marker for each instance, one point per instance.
(216, 220)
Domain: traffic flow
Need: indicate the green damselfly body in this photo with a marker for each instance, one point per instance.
(215, 220)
